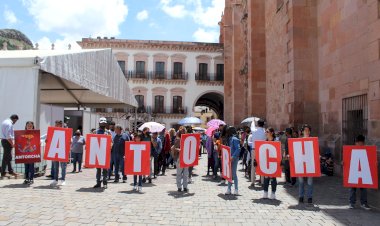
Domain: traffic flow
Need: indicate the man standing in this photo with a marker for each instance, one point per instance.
(257, 134)
(7, 136)
(155, 152)
(118, 150)
(101, 172)
(165, 139)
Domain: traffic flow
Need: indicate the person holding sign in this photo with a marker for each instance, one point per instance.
(273, 180)
(234, 144)
(182, 173)
(29, 167)
(359, 141)
(99, 171)
(137, 138)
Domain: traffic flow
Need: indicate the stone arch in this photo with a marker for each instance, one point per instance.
(212, 99)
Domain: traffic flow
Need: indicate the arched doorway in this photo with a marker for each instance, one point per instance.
(212, 100)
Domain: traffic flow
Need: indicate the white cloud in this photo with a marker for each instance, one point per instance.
(210, 16)
(10, 16)
(201, 35)
(175, 11)
(59, 44)
(143, 15)
(77, 19)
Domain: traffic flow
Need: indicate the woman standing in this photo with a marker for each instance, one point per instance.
(182, 173)
(306, 130)
(29, 167)
(77, 150)
(270, 134)
(234, 144)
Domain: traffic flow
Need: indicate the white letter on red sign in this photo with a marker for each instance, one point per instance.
(58, 145)
(226, 161)
(98, 150)
(271, 167)
(190, 150)
(304, 157)
(359, 168)
(137, 151)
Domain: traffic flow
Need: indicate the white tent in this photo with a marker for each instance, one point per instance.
(84, 78)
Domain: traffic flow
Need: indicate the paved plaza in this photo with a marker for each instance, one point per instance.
(77, 203)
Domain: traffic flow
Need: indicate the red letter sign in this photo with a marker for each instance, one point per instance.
(189, 149)
(27, 146)
(137, 158)
(304, 157)
(58, 144)
(268, 156)
(360, 167)
(98, 151)
(226, 163)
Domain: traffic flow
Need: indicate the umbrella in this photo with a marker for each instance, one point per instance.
(189, 121)
(154, 127)
(215, 123)
(250, 120)
(210, 130)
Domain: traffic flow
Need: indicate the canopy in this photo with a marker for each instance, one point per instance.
(89, 78)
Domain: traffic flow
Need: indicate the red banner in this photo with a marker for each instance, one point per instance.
(27, 146)
(304, 157)
(226, 163)
(58, 144)
(268, 157)
(189, 153)
(360, 167)
(137, 158)
(98, 151)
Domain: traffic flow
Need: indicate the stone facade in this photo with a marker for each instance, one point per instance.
(321, 63)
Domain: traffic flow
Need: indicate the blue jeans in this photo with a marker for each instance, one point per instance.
(363, 196)
(273, 181)
(216, 162)
(56, 170)
(77, 158)
(29, 171)
(112, 163)
(301, 182)
(234, 165)
(119, 166)
(135, 180)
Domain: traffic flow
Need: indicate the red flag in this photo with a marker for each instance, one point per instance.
(137, 158)
(98, 151)
(360, 167)
(304, 157)
(189, 149)
(27, 146)
(268, 157)
(58, 144)
(226, 163)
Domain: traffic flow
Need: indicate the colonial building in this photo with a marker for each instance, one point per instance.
(305, 61)
(167, 78)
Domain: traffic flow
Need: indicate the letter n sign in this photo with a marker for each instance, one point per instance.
(360, 167)
(189, 152)
(98, 151)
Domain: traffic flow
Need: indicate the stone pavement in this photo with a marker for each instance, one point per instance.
(78, 203)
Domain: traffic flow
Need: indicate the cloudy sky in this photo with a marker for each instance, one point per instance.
(67, 21)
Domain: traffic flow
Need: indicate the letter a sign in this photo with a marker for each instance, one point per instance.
(226, 163)
(137, 158)
(304, 157)
(189, 150)
(360, 167)
(268, 156)
(58, 144)
(98, 151)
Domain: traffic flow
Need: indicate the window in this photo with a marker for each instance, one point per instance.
(160, 70)
(140, 101)
(177, 104)
(220, 72)
(203, 71)
(177, 71)
(140, 68)
(122, 65)
(159, 104)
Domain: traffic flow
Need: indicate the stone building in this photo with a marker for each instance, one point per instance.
(305, 61)
(169, 79)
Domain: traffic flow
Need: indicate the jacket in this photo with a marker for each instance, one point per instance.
(234, 144)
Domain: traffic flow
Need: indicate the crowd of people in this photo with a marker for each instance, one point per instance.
(165, 149)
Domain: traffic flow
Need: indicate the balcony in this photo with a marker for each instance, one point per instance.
(138, 75)
(180, 76)
(169, 110)
(209, 77)
(159, 75)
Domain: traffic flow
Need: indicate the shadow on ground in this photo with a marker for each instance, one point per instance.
(177, 194)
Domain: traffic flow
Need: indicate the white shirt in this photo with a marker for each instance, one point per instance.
(7, 129)
(257, 134)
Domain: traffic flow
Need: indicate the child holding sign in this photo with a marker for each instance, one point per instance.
(272, 180)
